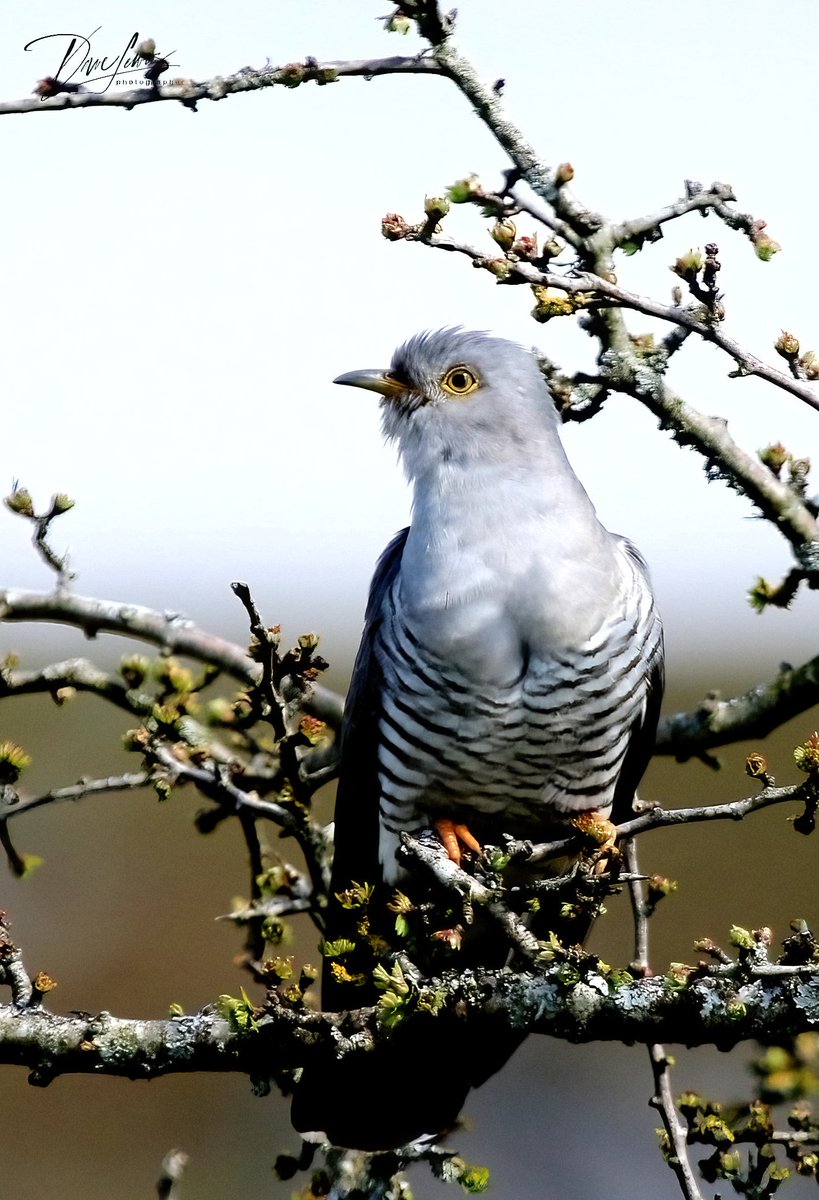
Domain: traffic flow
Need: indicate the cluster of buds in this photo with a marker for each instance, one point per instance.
(699, 271)
(313, 730)
(688, 266)
(504, 233)
(291, 74)
(552, 303)
(778, 459)
(802, 366)
(806, 756)
(19, 501)
(764, 593)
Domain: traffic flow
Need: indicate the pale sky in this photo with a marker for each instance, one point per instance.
(182, 288)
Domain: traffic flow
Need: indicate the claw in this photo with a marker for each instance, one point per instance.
(452, 835)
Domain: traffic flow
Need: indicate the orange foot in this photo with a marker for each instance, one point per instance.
(452, 835)
(596, 826)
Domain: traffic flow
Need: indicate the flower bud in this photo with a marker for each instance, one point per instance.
(394, 227)
(526, 246)
(787, 344)
(133, 668)
(756, 765)
(436, 206)
(765, 247)
(688, 264)
(20, 502)
(806, 756)
(13, 760)
(464, 189)
(504, 232)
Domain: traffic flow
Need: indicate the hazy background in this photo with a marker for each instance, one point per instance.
(180, 291)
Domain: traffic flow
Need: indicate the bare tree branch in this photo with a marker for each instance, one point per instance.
(189, 93)
(127, 782)
(676, 1132)
(752, 714)
(657, 818)
(171, 632)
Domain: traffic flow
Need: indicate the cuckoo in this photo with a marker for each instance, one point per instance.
(509, 678)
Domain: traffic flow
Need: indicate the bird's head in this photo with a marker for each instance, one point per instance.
(453, 395)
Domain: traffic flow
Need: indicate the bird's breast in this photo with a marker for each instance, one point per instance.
(489, 607)
(492, 703)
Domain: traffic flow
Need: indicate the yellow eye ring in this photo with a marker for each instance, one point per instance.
(459, 381)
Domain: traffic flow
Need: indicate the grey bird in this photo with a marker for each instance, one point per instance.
(509, 676)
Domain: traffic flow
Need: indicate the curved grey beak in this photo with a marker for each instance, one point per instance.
(373, 381)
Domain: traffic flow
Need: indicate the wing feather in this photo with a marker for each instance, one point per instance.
(356, 813)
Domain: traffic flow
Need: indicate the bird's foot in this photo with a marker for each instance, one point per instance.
(450, 937)
(596, 826)
(453, 836)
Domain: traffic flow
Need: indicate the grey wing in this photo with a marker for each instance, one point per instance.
(345, 1098)
(644, 731)
(357, 800)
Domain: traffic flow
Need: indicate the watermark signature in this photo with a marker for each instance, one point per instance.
(82, 67)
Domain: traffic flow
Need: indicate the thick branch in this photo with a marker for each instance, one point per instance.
(723, 1009)
(753, 714)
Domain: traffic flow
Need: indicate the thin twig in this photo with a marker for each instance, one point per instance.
(702, 201)
(639, 909)
(130, 781)
(663, 1101)
(657, 818)
(189, 92)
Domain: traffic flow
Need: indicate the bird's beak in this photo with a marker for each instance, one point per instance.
(374, 381)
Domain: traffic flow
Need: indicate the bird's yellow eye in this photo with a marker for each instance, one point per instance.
(460, 381)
